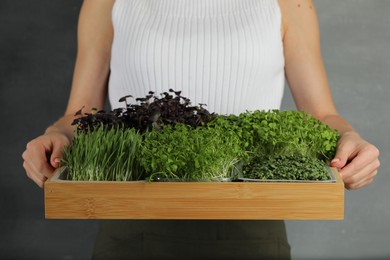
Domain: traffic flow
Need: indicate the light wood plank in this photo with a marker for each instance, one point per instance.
(193, 200)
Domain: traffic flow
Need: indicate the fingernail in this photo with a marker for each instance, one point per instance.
(57, 160)
(335, 160)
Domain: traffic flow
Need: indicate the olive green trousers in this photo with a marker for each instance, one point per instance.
(191, 239)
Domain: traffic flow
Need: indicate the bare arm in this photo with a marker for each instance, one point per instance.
(306, 75)
(89, 88)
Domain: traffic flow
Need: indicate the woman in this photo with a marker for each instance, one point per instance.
(230, 54)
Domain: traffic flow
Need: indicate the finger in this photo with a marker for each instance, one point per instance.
(36, 157)
(39, 179)
(32, 174)
(55, 158)
(358, 167)
(364, 182)
(361, 185)
(345, 152)
(357, 177)
(356, 181)
(367, 155)
(39, 167)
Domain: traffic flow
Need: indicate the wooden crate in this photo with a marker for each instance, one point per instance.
(194, 200)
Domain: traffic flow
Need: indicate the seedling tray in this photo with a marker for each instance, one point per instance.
(261, 200)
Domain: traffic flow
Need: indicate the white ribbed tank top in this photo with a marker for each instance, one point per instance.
(227, 54)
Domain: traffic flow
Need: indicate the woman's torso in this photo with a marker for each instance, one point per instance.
(227, 54)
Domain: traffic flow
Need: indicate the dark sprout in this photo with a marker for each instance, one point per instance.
(149, 112)
(124, 99)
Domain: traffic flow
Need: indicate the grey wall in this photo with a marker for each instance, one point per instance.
(355, 45)
(37, 51)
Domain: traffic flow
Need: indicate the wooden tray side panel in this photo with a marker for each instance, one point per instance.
(138, 200)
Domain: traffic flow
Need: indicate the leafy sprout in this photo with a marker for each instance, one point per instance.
(150, 112)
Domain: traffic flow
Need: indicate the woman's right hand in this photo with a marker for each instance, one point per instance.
(42, 156)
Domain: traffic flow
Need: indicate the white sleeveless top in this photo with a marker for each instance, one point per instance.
(227, 54)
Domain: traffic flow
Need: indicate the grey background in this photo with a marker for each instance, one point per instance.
(37, 53)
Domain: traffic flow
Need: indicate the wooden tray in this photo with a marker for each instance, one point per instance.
(194, 200)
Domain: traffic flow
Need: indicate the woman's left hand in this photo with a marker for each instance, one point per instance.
(357, 159)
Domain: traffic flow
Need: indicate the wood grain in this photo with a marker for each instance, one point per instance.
(194, 200)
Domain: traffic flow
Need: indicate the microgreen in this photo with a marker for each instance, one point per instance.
(282, 132)
(168, 138)
(104, 155)
(182, 153)
(149, 112)
(286, 167)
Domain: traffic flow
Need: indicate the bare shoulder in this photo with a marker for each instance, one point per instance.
(105, 3)
(297, 14)
(295, 7)
(99, 5)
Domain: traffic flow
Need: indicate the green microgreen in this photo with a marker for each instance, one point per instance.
(282, 132)
(104, 155)
(183, 153)
(286, 167)
(168, 138)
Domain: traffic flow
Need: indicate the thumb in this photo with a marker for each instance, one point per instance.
(342, 155)
(56, 155)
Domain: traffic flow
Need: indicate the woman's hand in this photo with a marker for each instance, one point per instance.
(95, 31)
(42, 156)
(306, 76)
(357, 159)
